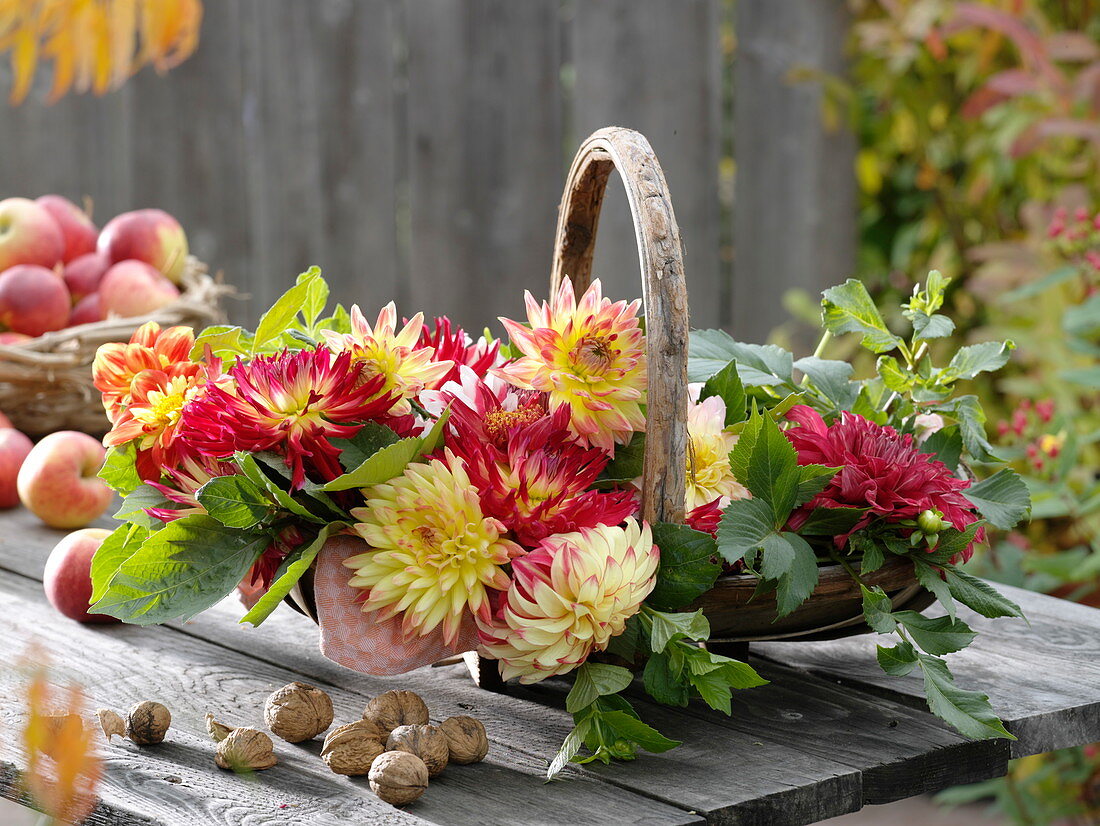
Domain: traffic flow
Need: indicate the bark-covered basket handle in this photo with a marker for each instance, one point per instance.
(664, 293)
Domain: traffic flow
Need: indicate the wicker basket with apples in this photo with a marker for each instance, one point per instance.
(66, 288)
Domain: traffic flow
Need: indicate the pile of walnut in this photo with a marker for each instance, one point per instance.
(393, 744)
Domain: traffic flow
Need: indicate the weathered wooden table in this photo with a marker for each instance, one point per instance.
(829, 735)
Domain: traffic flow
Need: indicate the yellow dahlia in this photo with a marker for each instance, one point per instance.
(434, 554)
(407, 367)
(568, 598)
(150, 348)
(708, 463)
(589, 356)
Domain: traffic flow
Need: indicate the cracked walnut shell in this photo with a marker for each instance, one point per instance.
(466, 738)
(350, 749)
(396, 708)
(426, 742)
(298, 712)
(398, 777)
(245, 749)
(147, 723)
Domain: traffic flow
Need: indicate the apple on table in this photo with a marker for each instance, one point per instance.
(67, 578)
(58, 481)
(14, 447)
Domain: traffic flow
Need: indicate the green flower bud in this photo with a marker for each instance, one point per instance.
(931, 522)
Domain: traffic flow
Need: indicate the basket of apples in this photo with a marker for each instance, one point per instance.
(66, 288)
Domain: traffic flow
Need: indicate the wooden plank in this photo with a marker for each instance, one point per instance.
(851, 749)
(1042, 676)
(485, 154)
(794, 212)
(654, 66)
(177, 782)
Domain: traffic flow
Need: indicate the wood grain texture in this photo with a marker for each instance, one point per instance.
(1042, 676)
(655, 67)
(177, 783)
(794, 212)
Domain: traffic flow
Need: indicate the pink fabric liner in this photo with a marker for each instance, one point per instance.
(357, 640)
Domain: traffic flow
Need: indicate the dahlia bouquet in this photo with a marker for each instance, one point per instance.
(438, 495)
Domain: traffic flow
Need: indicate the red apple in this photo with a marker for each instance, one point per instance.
(132, 288)
(14, 447)
(8, 338)
(77, 230)
(82, 275)
(28, 234)
(87, 310)
(33, 300)
(58, 481)
(67, 577)
(149, 235)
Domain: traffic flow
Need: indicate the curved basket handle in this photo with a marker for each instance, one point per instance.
(664, 294)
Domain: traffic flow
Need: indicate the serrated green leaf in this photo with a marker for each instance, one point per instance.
(848, 308)
(626, 465)
(979, 596)
(872, 559)
(927, 327)
(235, 501)
(594, 680)
(832, 379)
(967, 411)
(799, 581)
(812, 480)
(969, 712)
(288, 575)
(831, 521)
(945, 445)
(688, 566)
(973, 359)
(135, 503)
(758, 365)
(744, 525)
(877, 610)
(115, 549)
(371, 438)
(726, 385)
(119, 469)
(952, 542)
(384, 465)
(433, 439)
(898, 660)
(936, 635)
(225, 342)
(1003, 499)
(249, 463)
(184, 568)
(632, 729)
(929, 577)
(667, 627)
(894, 376)
(570, 747)
(662, 681)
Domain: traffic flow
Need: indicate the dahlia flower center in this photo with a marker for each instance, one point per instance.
(163, 409)
(499, 422)
(593, 354)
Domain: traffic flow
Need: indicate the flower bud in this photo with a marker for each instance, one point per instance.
(931, 522)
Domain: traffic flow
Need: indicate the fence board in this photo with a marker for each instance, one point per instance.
(485, 153)
(654, 66)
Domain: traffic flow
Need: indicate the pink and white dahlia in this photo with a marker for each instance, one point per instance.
(452, 344)
(589, 356)
(292, 403)
(434, 554)
(568, 598)
(405, 365)
(880, 469)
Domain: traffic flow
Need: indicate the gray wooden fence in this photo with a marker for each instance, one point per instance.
(415, 149)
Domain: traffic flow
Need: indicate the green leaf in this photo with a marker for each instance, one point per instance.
(433, 439)
(629, 642)
(688, 566)
(667, 627)
(877, 610)
(235, 501)
(144, 496)
(758, 365)
(384, 465)
(714, 676)
(873, 558)
(776, 556)
(119, 469)
(978, 358)
(594, 680)
(632, 729)
(338, 322)
(744, 525)
(316, 296)
(832, 378)
(927, 327)
(626, 466)
(929, 577)
(967, 411)
(952, 542)
(968, 712)
(894, 376)
(898, 660)
(1003, 499)
(115, 549)
(288, 575)
(225, 342)
(184, 568)
(249, 463)
(726, 385)
(569, 748)
(370, 439)
(281, 316)
(831, 521)
(936, 635)
(848, 308)
(662, 680)
(946, 445)
(813, 479)
(979, 596)
(801, 578)
(765, 462)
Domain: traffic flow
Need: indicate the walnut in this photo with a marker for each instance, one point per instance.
(396, 708)
(147, 723)
(298, 712)
(350, 749)
(245, 749)
(426, 742)
(466, 738)
(111, 722)
(219, 731)
(398, 777)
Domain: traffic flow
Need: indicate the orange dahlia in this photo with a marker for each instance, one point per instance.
(589, 356)
(150, 348)
(568, 598)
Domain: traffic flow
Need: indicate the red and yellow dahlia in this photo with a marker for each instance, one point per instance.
(292, 403)
(405, 365)
(588, 356)
(150, 348)
(183, 482)
(434, 554)
(568, 598)
(880, 469)
(452, 344)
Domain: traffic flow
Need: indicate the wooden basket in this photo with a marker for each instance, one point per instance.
(46, 383)
(834, 609)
